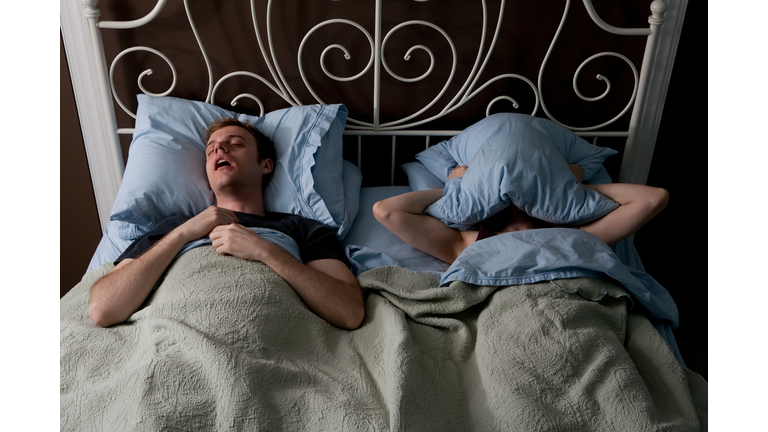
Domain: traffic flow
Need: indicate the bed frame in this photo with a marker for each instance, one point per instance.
(98, 101)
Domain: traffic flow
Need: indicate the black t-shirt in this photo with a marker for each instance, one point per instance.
(316, 240)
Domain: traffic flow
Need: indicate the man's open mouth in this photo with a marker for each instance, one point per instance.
(222, 163)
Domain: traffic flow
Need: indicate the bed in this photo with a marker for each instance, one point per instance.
(537, 330)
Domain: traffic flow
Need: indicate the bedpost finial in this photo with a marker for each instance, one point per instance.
(658, 9)
(91, 11)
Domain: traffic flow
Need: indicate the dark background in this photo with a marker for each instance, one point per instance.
(674, 245)
(668, 245)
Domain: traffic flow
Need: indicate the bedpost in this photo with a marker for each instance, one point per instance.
(83, 45)
(377, 68)
(655, 72)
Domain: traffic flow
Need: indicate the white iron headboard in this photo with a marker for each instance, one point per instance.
(95, 94)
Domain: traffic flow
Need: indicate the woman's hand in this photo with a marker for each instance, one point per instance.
(577, 171)
(457, 171)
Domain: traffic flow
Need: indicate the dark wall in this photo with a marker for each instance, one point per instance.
(673, 246)
(678, 165)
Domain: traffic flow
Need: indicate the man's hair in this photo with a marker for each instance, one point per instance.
(264, 145)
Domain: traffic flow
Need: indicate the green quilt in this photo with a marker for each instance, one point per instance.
(226, 344)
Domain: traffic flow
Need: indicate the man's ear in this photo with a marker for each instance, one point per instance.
(268, 166)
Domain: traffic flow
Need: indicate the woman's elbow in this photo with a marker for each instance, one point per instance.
(390, 216)
(659, 199)
(381, 211)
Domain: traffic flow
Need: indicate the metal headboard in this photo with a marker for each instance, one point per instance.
(94, 88)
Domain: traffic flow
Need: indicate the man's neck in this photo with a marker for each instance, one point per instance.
(252, 205)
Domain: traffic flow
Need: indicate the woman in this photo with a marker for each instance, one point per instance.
(403, 215)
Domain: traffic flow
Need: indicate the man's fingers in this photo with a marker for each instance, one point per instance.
(229, 216)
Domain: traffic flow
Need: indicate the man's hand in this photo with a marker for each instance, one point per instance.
(327, 286)
(202, 224)
(237, 240)
(577, 171)
(457, 171)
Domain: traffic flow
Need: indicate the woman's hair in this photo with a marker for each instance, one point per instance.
(497, 222)
(264, 145)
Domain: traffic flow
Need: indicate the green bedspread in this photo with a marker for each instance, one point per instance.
(226, 344)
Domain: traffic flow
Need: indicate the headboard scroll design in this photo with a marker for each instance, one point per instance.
(377, 62)
(453, 93)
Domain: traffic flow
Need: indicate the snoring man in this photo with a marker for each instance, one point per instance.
(239, 163)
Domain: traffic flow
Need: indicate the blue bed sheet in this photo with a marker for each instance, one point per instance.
(546, 254)
(530, 256)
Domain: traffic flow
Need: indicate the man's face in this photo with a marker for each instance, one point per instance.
(232, 159)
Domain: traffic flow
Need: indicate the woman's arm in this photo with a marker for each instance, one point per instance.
(402, 214)
(638, 205)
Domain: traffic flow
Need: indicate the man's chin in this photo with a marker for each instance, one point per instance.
(222, 185)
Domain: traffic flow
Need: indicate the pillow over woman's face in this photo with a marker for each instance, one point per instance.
(515, 159)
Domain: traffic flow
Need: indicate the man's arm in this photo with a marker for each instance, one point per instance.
(123, 290)
(327, 286)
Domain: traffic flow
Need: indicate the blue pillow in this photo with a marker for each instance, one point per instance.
(600, 177)
(165, 173)
(112, 245)
(518, 159)
(352, 179)
(419, 178)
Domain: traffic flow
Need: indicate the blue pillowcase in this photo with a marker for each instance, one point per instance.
(110, 247)
(419, 178)
(352, 179)
(518, 159)
(165, 173)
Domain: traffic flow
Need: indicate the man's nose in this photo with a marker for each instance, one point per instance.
(219, 147)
